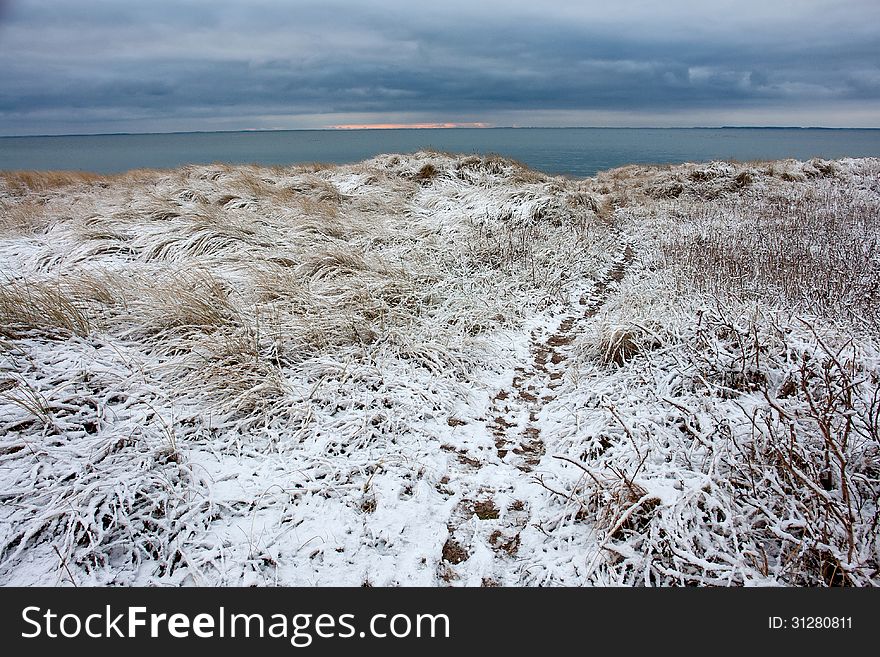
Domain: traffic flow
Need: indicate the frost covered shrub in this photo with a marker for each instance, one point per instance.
(755, 458)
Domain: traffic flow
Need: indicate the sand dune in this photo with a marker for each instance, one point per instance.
(433, 369)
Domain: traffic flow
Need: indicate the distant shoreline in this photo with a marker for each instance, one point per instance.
(429, 129)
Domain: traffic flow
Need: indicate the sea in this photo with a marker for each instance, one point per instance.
(576, 152)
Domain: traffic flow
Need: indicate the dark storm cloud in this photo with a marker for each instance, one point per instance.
(103, 65)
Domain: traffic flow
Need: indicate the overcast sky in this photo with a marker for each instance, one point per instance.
(87, 66)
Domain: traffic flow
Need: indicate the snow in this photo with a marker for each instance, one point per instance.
(402, 372)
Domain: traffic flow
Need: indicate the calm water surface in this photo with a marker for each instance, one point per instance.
(570, 151)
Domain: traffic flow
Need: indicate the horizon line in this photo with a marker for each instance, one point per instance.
(450, 125)
(438, 126)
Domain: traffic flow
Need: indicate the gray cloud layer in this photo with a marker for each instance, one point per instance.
(104, 66)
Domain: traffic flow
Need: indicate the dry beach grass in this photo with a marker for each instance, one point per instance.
(327, 375)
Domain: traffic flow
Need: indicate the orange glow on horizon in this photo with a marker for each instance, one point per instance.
(398, 126)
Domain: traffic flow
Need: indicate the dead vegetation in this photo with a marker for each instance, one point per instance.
(20, 183)
(730, 432)
(244, 312)
(201, 370)
(815, 246)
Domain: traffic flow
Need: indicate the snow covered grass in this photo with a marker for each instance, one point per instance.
(433, 369)
(812, 244)
(224, 374)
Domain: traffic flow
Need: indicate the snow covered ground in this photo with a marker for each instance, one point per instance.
(441, 370)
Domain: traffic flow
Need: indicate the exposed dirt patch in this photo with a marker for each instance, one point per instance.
(560, 340)
(486, 510)
(453, 552)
